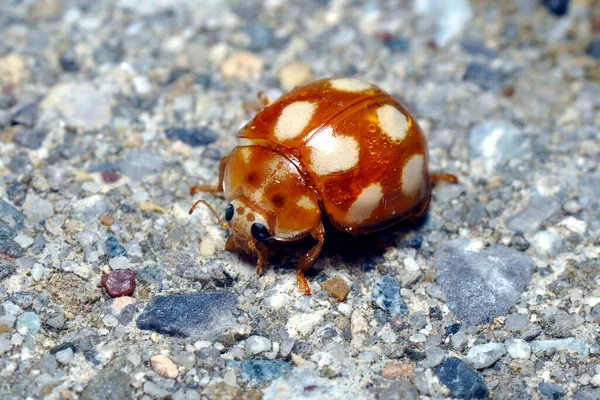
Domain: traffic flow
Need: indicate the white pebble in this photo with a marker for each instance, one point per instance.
(38, 272)
(518, 348)
(65, 356)
(23, 240)
(207, 247)
(110, 321)
(119, 263)
(257, 344)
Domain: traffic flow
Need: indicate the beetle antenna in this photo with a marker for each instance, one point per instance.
(224, 225)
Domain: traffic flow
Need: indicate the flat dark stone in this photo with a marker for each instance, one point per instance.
(461, 379)
(201, 315)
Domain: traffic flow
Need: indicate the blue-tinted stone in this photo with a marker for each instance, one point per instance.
(192, 136)
(30, 320)
(114, 248)
(16, 192)
(260, 35)
(530, 219)
(452, 16)
(204, 80)
(551, 390)
(10, 248)
(137, 164)
(557, 7)
(485, 77)
(202, 315)
(461, 379)
(593, 48)
(11, 221)
(480, 284)
(257, 371)
(496, 142)
(25, 115)
(414, 242)
(6, 269)
(397, 44)
(476, 47)
(63, 346)
(30, 138)
(386, 295)
(452, 329)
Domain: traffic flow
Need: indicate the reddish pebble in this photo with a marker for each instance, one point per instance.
(120, 282)
(110, 176)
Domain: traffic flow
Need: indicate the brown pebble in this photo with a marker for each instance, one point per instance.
(164, 366)
(120, 282)
(336, 287)
(107, 220)
(396, 370)
(222, 391)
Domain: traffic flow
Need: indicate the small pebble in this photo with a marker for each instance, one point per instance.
(386, 295)
(29, 323)
(294, 74)
(164, 366)
(461, 379)
(120, 282)
(5, 346)
(551, 391)
(114, 248)
(194, 137)
(593, 49)
(65, 356)
(518, 349)
(336, 287)
(207, 247)
(572, 207)
(393, 370)
(557, 7)
(242, 65)
(257, 344)
(119, 263)
(107, 220)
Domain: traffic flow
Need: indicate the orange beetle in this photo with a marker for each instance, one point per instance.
(339, 147)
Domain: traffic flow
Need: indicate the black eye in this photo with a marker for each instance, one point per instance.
(260, 232)
(229, 213)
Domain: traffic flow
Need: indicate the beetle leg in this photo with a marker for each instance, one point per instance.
(263, 98)
(309, 259)
(211, 189)
(230, 244)
(442, 177)
(262, 253)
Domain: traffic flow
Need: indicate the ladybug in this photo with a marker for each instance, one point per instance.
(337, 148)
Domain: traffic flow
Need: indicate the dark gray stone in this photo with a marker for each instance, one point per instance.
(485, 77)
(109, 384)
(193, 136)
(25, 115)
(536, 212)
(201, 315)
(402, 389)
(11, 221)
(461, 379)
(30, 138)
(557, 7)
(593, 49)
(551, 390)
(481, 284)
(386, 295)
(6, 269)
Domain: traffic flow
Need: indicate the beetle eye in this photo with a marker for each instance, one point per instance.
(259, 232)
(229, 213)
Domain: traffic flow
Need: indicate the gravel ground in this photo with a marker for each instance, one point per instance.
(111, 110)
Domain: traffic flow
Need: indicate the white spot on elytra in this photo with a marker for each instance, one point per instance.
(246, 153)
(392, 122)
(349, 85)
(293, 119)
(364, 205)
(412, 175)
(306, 202)
(332, 153)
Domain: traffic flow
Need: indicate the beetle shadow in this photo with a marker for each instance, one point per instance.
(342, 250)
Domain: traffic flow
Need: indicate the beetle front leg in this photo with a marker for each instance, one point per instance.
(211, 189)
(309, 259)
(262, 253)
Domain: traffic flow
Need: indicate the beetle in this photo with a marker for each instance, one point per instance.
(337, 148)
